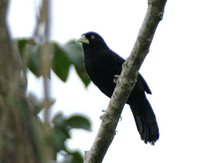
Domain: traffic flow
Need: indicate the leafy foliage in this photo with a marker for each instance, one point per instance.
(61, 131)
(64, 56)
(70, 54)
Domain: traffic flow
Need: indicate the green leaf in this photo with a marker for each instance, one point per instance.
(83, 76)
(75, 52)
(72, 157)
(59, 121)
(22, 44)
(78, 121)
(34, 64)
(75, 157)
(58, 138)
(60, 62)
(74, 121)
(35, 61)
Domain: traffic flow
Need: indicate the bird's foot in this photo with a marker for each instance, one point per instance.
(116, 132)
(115, 79)
(103, 115)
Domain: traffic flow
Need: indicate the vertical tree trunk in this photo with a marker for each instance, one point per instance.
(18, 139)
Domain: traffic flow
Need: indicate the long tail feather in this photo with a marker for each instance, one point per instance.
(145, 120)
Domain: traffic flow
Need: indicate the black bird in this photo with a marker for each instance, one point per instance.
(102, 65)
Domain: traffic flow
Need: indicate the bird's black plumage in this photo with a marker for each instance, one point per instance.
(102, 65)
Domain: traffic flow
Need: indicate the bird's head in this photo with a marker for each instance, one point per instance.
(92, 40)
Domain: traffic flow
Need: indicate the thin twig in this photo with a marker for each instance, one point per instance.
(42, 34)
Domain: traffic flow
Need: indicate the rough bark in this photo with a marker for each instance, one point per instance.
(19, 142)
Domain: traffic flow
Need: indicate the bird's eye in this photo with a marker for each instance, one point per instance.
(92, 37)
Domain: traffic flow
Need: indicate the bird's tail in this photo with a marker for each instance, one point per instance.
(145, 119)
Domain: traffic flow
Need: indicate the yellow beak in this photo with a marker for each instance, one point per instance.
(83, 40)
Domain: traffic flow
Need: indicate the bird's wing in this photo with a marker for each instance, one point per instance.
(119, 61)
(146, 87)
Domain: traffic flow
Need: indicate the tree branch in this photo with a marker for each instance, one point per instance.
(126, 82)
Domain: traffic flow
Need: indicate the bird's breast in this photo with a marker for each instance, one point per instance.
(101, 76)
